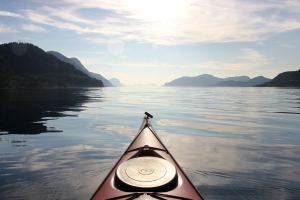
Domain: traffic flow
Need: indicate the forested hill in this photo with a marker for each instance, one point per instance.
(26, 65)
(285, 79)
(212, 81)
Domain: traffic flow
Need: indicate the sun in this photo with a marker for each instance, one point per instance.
(157, 9)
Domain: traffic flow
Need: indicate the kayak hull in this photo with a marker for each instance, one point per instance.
(131, 178)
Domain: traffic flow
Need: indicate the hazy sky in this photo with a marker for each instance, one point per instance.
(142, 42)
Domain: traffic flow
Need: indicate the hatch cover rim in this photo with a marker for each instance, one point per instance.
(163, 172)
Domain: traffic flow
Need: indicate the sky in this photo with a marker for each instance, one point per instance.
(157, 41)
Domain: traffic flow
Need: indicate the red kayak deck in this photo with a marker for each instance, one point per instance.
(130, 178)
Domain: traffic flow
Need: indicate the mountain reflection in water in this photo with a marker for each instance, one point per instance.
(234, 143)
(22, 111)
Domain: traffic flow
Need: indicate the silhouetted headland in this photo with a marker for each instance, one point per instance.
(285, 79)
(24, 65)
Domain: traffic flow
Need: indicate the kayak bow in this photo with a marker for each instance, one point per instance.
(146, 171)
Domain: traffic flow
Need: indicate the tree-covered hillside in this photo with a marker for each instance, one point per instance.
(26, 65)
(285, 79)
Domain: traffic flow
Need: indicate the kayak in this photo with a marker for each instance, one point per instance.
(146, 171)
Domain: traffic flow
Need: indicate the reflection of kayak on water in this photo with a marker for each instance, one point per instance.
(146, 170)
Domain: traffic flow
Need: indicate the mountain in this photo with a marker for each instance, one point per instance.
(116, 82)
(251, 82)
(151, 84)
(26, 65)
(209, 80)
(99, 77)
(237, 78)
(202, 80)
(92, 74)
(285, 79)
(231, 83)
(258, 80)
(77, 64)
(68, 60)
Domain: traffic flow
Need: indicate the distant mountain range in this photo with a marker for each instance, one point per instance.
(77, 64)
(209, 80)
(251, 82)
(285, 79)
(141, 85)
(116, 82)
(25, 65)
(151, 84)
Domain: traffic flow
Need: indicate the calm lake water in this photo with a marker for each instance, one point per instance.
(233, 143)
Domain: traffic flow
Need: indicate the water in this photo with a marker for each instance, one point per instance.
(233, 143)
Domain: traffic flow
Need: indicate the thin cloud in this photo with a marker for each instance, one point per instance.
(289, 46)
(250, 60)
(260, 43)
(269, 71)
(139, 64)
(34, 28)
(10, 14)
(43, 19)
(95, 52)
(68, 15)
(175, 22)
(97, 40)
(224, 66)
(252, 55)
(7, 29)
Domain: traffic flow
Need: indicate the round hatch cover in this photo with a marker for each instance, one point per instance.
(146, 172)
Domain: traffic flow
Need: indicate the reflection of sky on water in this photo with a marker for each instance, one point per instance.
(234, 167)
(64, 168)
(239, 146)
(212, 127)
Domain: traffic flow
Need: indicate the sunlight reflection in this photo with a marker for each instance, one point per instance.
(232, 158)
(213, 127)
(115, 129)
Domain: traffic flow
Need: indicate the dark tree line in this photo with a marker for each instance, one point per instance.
(285, 79)
(26, 65)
